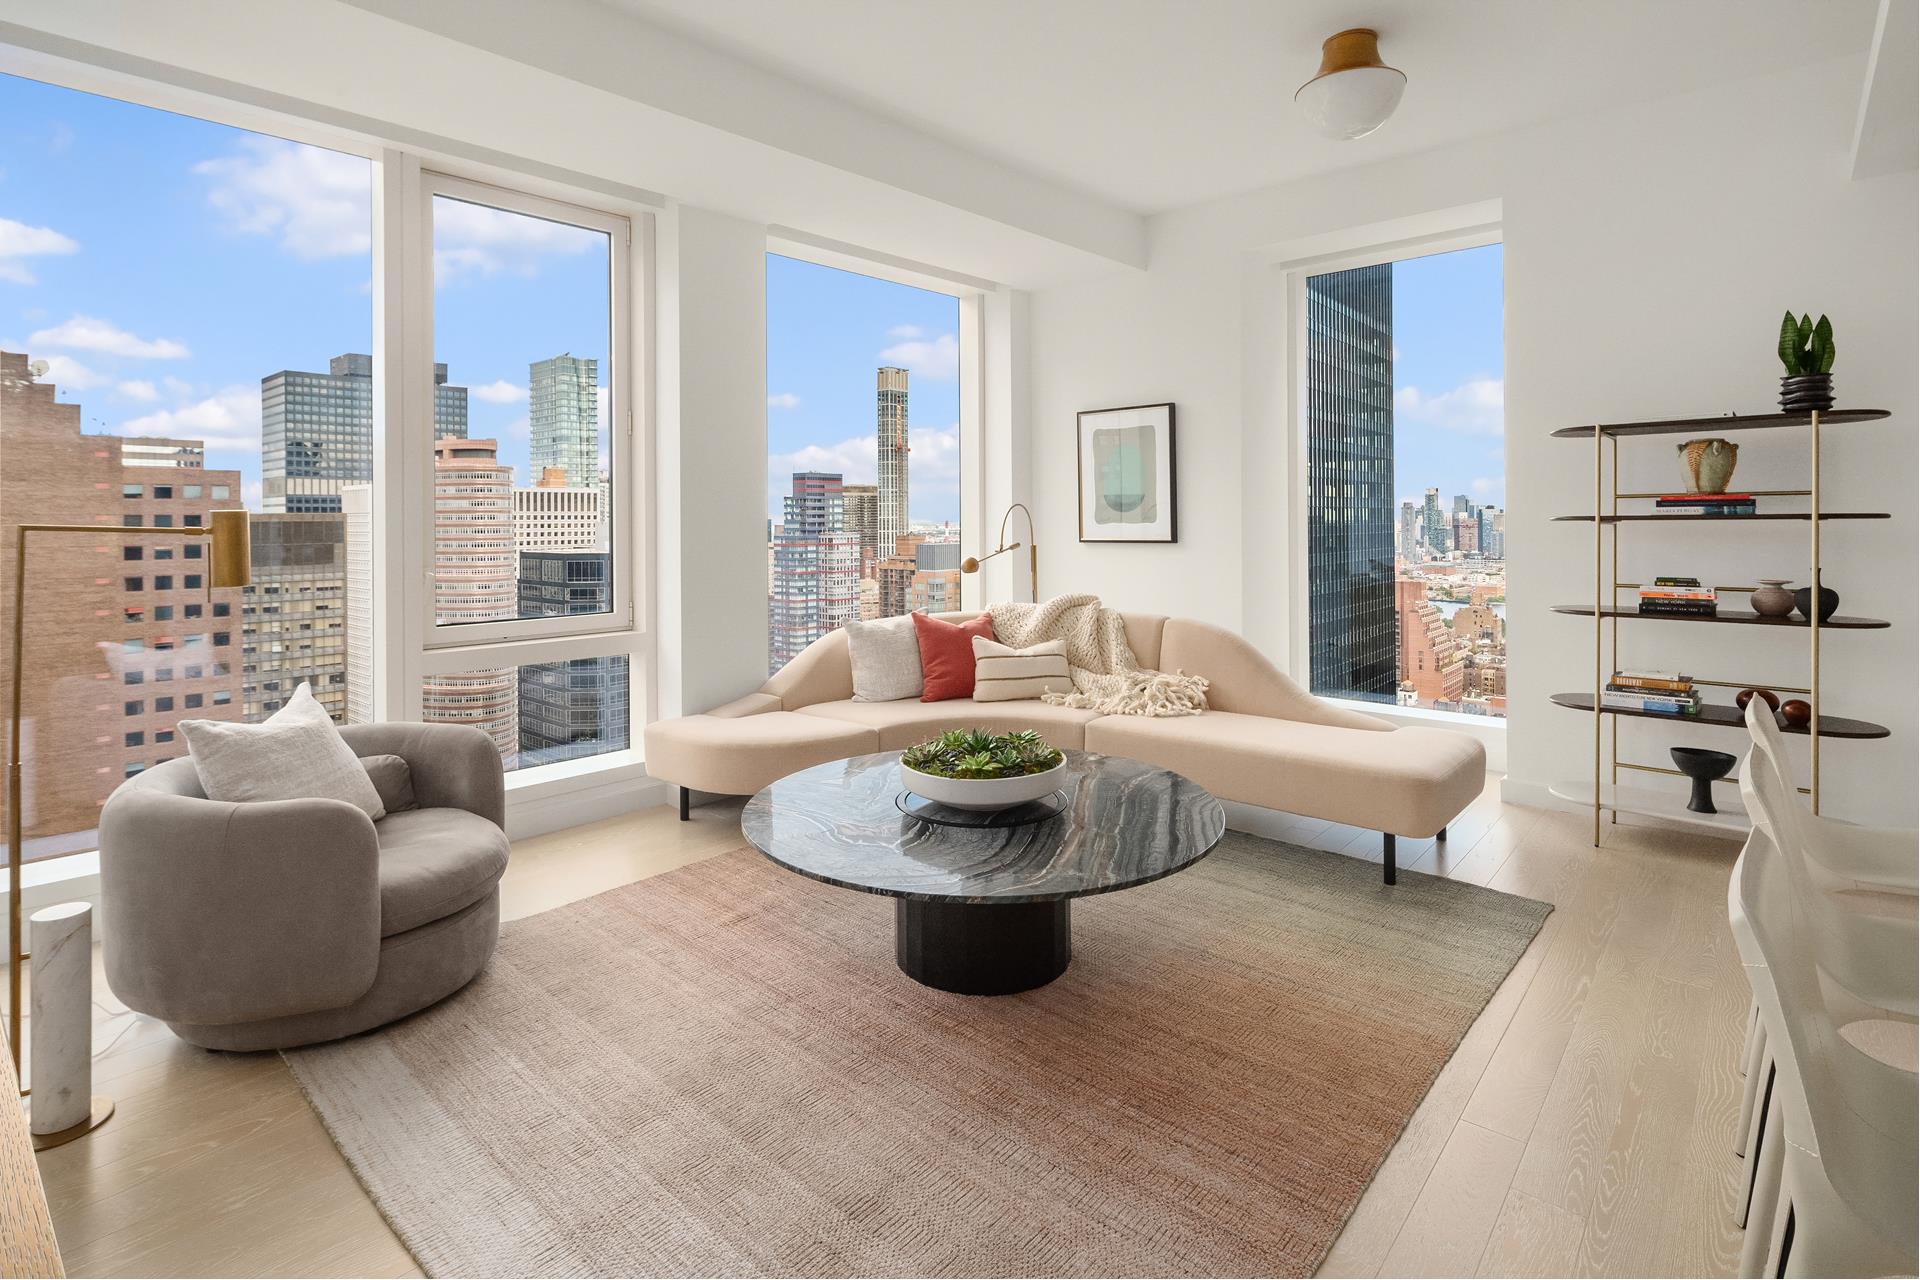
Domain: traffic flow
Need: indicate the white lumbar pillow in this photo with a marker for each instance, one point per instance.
(295, 754)
(1002, 674)
(886, 660)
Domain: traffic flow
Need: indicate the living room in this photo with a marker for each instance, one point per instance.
(661, 478)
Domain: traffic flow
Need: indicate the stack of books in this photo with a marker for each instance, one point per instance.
(1666, 693)
(1705, 504)
(1679, 598)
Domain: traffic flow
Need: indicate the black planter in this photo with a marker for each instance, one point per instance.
(1803, 601)
(1703, 766)
(1806, 393)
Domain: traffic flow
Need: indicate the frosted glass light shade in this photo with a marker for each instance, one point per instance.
(1354, 92)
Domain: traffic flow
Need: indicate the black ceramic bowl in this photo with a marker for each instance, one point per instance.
(1703, 766)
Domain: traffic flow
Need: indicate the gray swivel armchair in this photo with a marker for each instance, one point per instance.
(288, 922)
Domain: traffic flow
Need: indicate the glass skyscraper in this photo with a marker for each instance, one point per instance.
(563, 416)
(1350, 505)
(316, 431)
(579, 707)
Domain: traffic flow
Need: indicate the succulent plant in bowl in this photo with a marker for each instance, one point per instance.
(975, 769)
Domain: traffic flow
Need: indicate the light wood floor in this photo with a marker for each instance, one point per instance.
(1584, 1126)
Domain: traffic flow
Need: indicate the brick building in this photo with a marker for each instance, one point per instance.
(123, 639)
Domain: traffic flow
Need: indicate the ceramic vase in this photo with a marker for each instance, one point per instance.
(1772, 599)
(1708, 464)
(1829, 602)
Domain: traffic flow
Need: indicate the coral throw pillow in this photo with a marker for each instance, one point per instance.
(946, 655)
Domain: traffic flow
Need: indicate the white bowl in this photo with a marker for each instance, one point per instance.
(982, 793)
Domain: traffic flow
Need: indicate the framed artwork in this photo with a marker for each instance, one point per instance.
(1127, 489)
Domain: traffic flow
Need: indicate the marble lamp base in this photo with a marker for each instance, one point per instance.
(64, 1106)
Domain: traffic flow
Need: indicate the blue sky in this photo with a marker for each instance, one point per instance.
(827, 331)
(1449, 374)
(164, 265)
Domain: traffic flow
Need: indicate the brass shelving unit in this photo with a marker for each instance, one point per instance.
(1607, 611)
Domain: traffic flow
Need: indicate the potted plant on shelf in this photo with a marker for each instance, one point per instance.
(1806, 349)
(974, 769)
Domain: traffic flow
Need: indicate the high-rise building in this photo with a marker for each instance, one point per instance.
(892, 436)
(895, 575)
(553, 516)
(474, 580)
(356, 513)
(935, 586)
(579, 707)
(814, 583)
(1432, 661)
(293, 615)
(563, 415)
(1409, 532)
(1350, 520)
(1466, 532)
(1492, 538)
(862, 506)
(316, 431)
(1437, 527)
(123, 638)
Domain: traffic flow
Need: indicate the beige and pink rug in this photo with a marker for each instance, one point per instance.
(719, 1071)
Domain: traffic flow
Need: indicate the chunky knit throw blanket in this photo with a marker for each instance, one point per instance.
(1106, 676)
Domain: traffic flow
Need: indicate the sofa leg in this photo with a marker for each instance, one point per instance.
(1386, 848)
(686, 798)
(1441, 835)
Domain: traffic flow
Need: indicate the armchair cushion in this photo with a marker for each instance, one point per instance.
(295, 754)
(393, 780)
(434, 862)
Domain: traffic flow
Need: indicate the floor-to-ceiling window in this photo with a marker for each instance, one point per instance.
(187, 326)
(1406, 481)
(863, 443)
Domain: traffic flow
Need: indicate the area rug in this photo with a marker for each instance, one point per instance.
(719, 1071)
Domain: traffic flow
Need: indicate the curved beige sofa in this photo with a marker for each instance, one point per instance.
(1264, 740)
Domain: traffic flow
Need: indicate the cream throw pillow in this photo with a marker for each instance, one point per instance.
(1002, 674)
(296, 754)
(886, 660)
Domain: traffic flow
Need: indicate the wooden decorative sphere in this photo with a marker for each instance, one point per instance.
(1768, 696)
(1796, 713)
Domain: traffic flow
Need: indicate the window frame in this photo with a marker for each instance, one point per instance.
(1293, 283)
(618, 228)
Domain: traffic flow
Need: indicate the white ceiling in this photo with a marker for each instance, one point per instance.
(1156, 104)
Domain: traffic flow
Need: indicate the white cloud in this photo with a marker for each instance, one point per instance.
(900, 332)
(88, 333)
(69, 374)
(18, 240)
(178, 388)
(518, 429)
(228, 419)
(499, 391)
(139, 389)
(938, 360)
(784, 400)
(1475, 407)
(472, 239)
(933, 464)
(317, 203)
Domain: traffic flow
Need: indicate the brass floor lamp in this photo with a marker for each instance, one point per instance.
(971, 565)
(232, 566)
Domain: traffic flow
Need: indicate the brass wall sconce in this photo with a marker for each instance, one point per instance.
(971, 565)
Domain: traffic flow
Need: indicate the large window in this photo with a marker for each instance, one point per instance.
(863, 440)
(186, 326)
(1406, 475)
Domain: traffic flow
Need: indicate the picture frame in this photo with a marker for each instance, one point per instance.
(1127, 476)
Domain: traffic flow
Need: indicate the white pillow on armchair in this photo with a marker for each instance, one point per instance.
(295, 754)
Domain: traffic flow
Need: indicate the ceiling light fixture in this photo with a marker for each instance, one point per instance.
(1354, 92)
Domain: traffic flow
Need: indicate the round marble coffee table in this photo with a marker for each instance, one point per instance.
(984, 911)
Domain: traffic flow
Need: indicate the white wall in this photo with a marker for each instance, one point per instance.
(1649, 254)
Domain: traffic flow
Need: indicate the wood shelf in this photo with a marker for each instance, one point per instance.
(1724, 422)
(1838, 622)
(1728, 718)
(1672, 517)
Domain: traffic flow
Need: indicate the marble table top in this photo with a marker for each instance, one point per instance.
(1125, 823)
